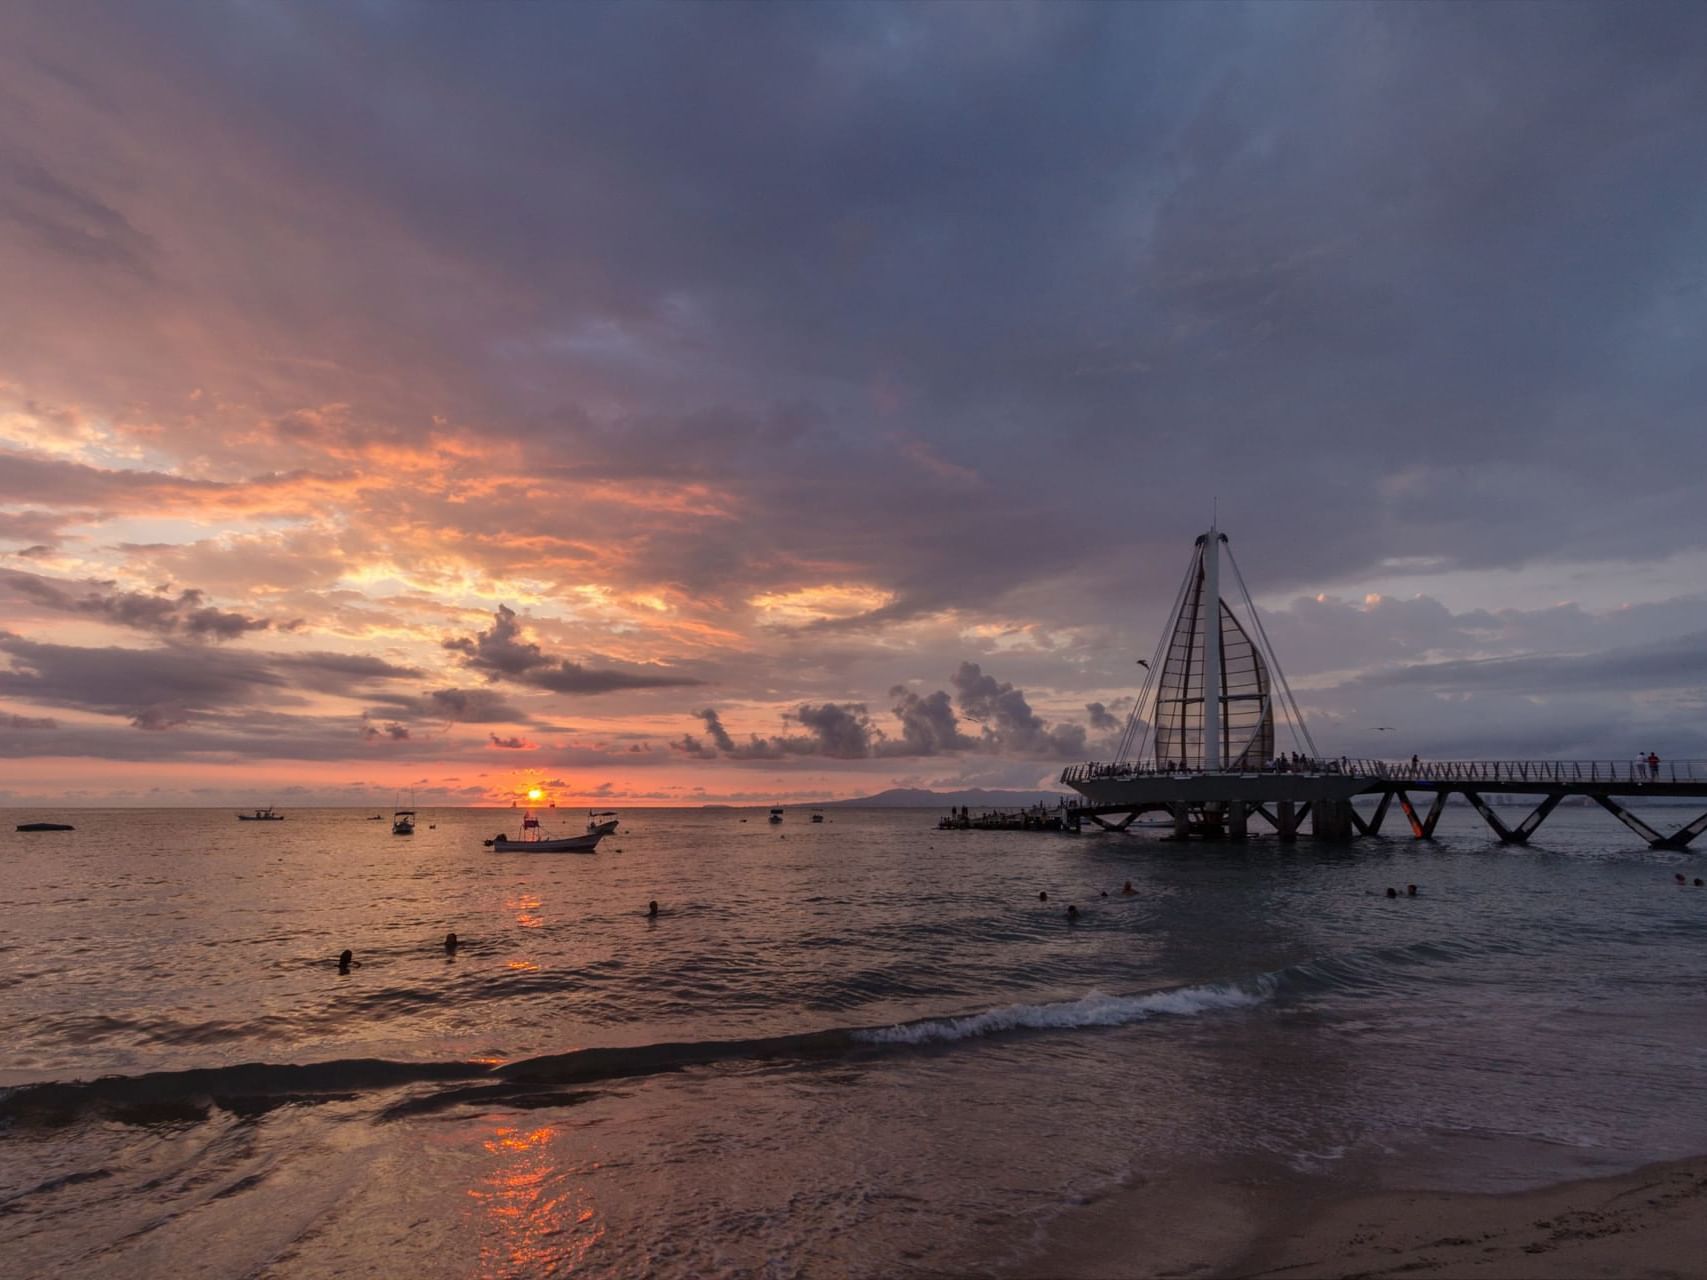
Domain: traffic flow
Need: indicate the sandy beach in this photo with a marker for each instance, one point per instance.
(1649, 1223)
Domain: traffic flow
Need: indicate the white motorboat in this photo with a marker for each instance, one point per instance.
(403, 822)
(534, 840)
(601, 822)
(776, 815)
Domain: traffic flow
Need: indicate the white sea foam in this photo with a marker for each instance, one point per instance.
(1093, 1010)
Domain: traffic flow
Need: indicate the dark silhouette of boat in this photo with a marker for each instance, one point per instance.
(46, 826)
(261, 815)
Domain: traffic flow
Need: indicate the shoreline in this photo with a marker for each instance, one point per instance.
(1649, 1222)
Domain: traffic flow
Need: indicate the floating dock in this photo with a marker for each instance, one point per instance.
(1063, 818)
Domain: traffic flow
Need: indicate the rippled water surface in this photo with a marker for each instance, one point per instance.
(863, 1047)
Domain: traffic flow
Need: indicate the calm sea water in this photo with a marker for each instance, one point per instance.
(859, 1048)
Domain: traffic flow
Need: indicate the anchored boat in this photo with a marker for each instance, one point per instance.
(601, 822)
(534, 840)
(261, 815)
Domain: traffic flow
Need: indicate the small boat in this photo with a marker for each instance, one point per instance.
(817, 817)
(776, 815)
(378, 817)
(403, 822)
(261, 815)
(46, 826)
(534, 840)
(601, 821)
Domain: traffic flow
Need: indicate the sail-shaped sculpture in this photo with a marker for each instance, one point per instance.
(1246, 705)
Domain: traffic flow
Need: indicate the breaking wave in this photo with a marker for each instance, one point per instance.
(539, 1081)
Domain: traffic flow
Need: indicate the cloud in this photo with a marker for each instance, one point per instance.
(1008, 720)
(1102, 720)
(28, 722)
(500, 653)
(165, 687)
(1307, 257)
(928, 724)
(185, 613)
(513, 743)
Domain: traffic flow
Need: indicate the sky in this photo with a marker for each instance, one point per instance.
(680, 404)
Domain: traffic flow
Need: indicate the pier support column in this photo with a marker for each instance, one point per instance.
(1238, 820)
(1423, 828)
(1372, 826)
(1654, 838)
(1683, 835)
(1286, 821)
(1331, 820)
(1182, 822)
(1505, 833)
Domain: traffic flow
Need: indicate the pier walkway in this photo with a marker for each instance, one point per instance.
(1221, 802)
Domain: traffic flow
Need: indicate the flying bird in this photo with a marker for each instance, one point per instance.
(1383, 728)
(1144, 664)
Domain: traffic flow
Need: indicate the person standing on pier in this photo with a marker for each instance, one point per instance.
(1653, 767)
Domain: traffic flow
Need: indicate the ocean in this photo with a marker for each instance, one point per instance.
(863, 1048)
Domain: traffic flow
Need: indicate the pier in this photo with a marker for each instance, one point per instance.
(1200, 746)
(1318, 797)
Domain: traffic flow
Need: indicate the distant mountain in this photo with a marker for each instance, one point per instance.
(918, 798)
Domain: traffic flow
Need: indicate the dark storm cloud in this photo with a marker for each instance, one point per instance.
(500, 653)
(185, 613)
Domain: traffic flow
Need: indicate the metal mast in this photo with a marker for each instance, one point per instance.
(1212, 651)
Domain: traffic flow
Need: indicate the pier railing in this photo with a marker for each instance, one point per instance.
(1486, 772)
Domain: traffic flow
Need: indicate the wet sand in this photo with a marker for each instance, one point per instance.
(1650, 1224)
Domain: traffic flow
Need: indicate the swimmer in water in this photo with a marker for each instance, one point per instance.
(347, 961)
(451, 944)
(1072, 913)
(1392, 892)
(1126, 890)
(1410, 891)
(1044, 897)
(652, 909)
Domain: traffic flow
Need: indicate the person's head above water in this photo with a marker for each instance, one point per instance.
(451, 944)
(1410, 891)
(1127, 888)
(345, 961)
(1392, 892)
(1072, 912)
(1043, 897)
(652, 907)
